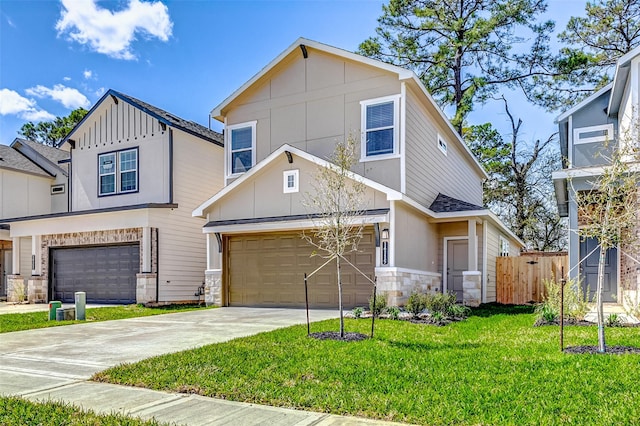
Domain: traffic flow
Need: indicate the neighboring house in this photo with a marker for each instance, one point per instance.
(32, 181)
(588, 131)
(425, 227)
(135, 174)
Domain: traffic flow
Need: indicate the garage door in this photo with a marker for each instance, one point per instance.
(268, 270)
(107, 274)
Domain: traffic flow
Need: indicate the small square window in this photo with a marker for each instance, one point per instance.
(290, 181)
(442, 144)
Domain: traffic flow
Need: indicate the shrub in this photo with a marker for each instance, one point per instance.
(440, 302)
(416, 303)
(631, 306)
(381, 304)
(394, 312)
(438, 318)
(576, 302)
(357, 312)
(613, 320)
(458, 311)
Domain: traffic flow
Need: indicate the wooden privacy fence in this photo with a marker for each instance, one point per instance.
(519, 279)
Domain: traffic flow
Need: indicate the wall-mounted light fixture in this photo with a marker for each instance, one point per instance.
(385, 234)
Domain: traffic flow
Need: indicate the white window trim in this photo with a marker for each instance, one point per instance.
(442, 144)
(503, 242)
(296, 180)
(227, 144)
(577, 140)
(396, 128)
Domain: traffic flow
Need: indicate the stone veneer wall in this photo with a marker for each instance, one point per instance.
(213, 287)
(471, 288)
(399, 283)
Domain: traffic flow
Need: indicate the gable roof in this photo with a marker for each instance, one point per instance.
(586, 101)
(47, 157)
(402, 73)
(159, 114)
(444, 203)
(11, 159)
(620, 79)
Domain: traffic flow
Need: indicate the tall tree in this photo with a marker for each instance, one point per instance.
(519, 186)
(463, 50)
(52, 132)
(334, 206)
(593, 44)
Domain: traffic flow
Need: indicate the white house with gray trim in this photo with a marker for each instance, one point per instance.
(425, 228)
(588, 131)
(125, 234)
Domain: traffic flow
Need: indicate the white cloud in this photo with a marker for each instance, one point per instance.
(100, 92)
(87, 74)
(12, 103)
(112, 33)
(66, 78)
(67, 96)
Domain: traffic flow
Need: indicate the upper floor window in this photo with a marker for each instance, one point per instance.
(118, 172)
(591, 134)
(290, 181)
(241, 141)
(442, 144)
(504, 246)
(380, 126)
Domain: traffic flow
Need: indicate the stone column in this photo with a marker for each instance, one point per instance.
(16, 290)
(213, 287)
(37, 290)
(146, 287)
(471, 288)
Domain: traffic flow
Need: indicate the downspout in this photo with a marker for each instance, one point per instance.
(485, 281)
(170, 165)
(157, 265)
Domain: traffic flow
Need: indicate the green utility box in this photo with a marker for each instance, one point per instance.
(53, 305)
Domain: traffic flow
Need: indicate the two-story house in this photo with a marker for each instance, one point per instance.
(588, 132)
(135, 173)
(32, 181)
(425, 227)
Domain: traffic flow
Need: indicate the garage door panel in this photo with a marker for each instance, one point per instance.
(268, 270)
(107, 274)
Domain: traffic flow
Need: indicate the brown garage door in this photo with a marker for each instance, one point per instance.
(268, 270)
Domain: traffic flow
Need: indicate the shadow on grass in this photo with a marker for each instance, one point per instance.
(490, 309)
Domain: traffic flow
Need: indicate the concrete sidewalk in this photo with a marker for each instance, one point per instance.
(55, 363)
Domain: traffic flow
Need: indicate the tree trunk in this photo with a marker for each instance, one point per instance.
(599, 303)
(340, 296)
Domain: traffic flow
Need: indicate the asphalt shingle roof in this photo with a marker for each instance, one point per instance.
(186, 125)
(51, 153)
(12, 159)
(444, 204)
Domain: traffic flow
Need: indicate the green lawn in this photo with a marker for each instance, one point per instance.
(20, 412)
(30, 320)
(493, 368)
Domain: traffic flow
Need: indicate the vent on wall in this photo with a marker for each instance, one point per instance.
(57, 189)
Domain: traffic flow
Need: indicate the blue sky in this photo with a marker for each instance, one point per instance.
(184, 56)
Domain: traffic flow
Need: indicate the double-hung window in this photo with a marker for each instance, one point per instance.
(242, 147)
(380, 131)
(118, 172)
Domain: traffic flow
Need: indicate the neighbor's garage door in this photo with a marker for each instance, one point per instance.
(268, 270)
(107, 274)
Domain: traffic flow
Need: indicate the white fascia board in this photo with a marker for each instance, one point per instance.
(216, 112)
(582, 103)
(444, 118)
(577, 173)
(199, 211)
(289, 225)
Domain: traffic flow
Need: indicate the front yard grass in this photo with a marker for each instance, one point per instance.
(19, 412)
(31, 320)
(493, 368)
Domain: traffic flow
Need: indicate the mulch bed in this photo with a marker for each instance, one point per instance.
(611, 350)
(335, 335)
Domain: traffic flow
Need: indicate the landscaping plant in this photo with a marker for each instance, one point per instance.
(380, 306)
(576, 302)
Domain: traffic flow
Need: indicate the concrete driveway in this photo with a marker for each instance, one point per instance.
(54, 363)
